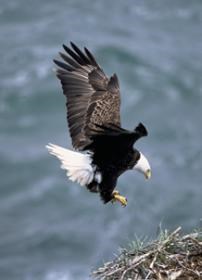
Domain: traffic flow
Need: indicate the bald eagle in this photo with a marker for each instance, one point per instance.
(103, 150)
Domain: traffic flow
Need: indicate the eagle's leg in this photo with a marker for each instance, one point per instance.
(117, 197)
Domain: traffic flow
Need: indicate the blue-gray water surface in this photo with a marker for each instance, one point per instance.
(50, 228)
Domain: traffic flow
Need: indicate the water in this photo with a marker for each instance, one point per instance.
(52, 229)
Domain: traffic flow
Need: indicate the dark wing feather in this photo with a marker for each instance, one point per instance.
(112, 138)
(92, 97)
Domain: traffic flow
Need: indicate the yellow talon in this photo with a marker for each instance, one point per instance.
(120, 198)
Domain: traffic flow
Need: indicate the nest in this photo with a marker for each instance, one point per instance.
(171, 256)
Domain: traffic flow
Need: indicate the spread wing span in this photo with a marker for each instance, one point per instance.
(91, 97)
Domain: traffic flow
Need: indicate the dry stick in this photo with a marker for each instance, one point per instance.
(196, 242)
(161, 246)
(114, 272)
(136, 277)
(137, 261)
(149, 273)
(186, 268)
(120, 272)
(130, 268)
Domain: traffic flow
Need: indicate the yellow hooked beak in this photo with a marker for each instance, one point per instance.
(148, 174)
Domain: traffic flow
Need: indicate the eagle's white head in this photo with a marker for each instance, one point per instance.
(143, 166)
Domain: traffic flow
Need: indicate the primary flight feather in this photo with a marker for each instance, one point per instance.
(103, 150)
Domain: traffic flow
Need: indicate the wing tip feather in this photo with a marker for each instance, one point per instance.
(141, 130)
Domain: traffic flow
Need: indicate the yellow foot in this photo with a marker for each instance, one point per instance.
(120, 198)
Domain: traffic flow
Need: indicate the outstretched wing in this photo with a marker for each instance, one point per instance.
(92, 97)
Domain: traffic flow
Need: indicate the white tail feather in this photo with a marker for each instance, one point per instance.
(78, 165)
